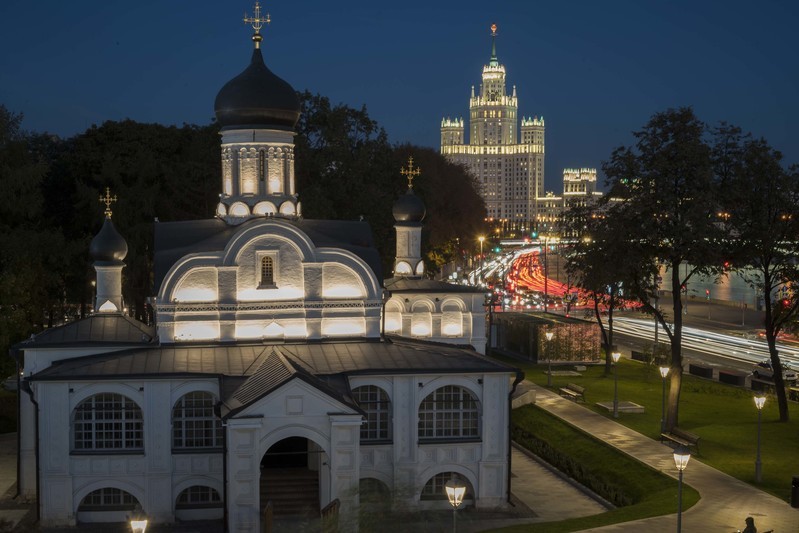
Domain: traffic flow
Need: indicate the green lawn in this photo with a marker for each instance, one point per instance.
(723, 416)
(617, 476)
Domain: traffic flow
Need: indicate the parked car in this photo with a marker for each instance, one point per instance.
(10, 383)
(763, 370)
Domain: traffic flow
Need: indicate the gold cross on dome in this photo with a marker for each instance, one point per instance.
(410, 172)
(257, 22)
(108, 200)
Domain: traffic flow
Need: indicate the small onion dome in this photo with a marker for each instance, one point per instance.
(409, 208)
(108, 246)
(257, 97)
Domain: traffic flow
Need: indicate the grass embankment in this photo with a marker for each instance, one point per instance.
(723, 416)
(8, 411)
(641, 490)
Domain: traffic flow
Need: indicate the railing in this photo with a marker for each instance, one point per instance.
(330, 517)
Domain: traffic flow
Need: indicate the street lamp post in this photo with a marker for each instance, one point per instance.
(549, 335)
(455, 491)
(759, 402)
(138, 520)
(681, 457)
(615, 356)
(664, 372)
(481, 239)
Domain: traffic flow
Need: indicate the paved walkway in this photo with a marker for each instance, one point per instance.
(725, 501)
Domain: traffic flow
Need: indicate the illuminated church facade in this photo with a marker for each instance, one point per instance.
(282, 369)
(504, 154)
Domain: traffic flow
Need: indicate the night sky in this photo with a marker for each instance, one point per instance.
(595, 70)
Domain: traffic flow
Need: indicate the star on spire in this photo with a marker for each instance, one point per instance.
(257, 22)
(410, 172)
(108, 200)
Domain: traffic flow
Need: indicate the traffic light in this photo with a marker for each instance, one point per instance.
(707, 294)
(534, 235)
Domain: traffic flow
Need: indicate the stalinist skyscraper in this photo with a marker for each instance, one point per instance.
(509, 170)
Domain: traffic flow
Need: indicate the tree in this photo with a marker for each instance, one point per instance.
(665, 193)
(593, 266)
(455, 210)
(346, 169)
(761, 212)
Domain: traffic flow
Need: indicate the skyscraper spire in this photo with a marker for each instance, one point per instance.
(494, 61)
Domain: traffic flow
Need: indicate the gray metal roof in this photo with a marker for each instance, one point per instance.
(174, 240)
(273, 371)
(396, 356)
(421, 285)
(99, 329)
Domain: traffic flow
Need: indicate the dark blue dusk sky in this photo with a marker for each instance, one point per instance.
(595, 70)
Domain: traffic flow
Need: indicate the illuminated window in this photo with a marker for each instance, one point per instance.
(108, 499)
(434, 488)
(108, 422)
(267, 272)
(374, 401)
(198, 497)
(450, 412)
(194, 424)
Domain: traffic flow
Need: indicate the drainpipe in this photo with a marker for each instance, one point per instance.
(519, 379)
(29, 390)
(15, 354)
(218, 412)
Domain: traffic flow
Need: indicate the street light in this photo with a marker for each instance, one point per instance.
(681, 457)
(138, 520)
(481, 239)
(549, 336)
(664, 371)
(615, 356)
(455, 491)
(759, 402)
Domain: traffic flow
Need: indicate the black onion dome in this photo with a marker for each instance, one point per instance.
(409, 208)
(108, 246)
(257, 97)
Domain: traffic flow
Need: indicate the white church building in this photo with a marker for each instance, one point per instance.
(282, 369)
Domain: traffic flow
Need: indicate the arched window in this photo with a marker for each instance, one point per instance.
(375, 402)
(108, 499)
(198, 497)
(108, 422)
(450, 412)
(194, 424)
(434, 488)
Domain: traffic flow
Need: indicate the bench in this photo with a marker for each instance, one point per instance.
(573, 392)
(679, 436)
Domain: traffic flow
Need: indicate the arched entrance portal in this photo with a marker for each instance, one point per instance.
(292, 472)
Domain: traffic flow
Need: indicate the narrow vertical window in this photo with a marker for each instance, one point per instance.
(267, 272)
(261, 165)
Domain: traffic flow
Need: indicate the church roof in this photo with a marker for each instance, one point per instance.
(396, 356)
(99, 329)
(257, 98)
(108, 247)
(421, 285)
(274, 371)
(173, 240)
